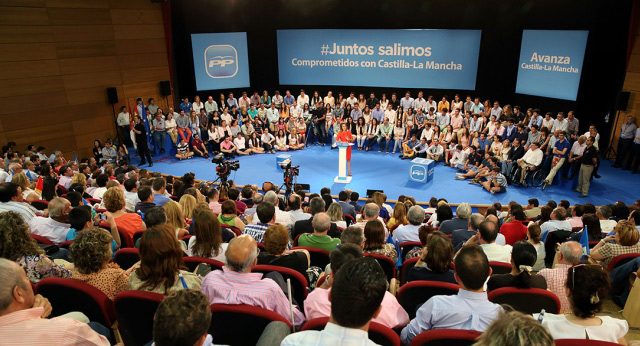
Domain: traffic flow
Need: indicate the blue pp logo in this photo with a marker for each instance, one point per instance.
(221, 61)
(418, 173)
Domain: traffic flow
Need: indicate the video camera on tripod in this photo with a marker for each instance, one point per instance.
(290, 173)
(224, 167)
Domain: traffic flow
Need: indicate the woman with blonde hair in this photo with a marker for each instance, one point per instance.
(114, 202)
(399, 215)
(79, 178)
(161, 267)
(188, 203)
(16, 245)
(175, 218)
(91, 252)
(516, 329)
(336, 215)
(624, 241)
(28, 194)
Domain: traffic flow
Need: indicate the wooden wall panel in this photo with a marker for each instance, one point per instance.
(128, 17)
(632, 81)
(141, 46)
(89, 64)
(22, 3)
(27, 69)
(128, 62)
(17, 104)
(29, 86)
(25, 34)
(77, 3)
(145, 74)
(129, 32)
(72, 33)
(57, 57)
(78, 16)
(24, 16)
(85, 49)
(27, 51)
(89, 80)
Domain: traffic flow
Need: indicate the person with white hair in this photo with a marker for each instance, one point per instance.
(409, 232)
(371, 211)
(319, 238)
(23, 315)
(463, 212)
(569, 254)
(54, 227)
(282, 217)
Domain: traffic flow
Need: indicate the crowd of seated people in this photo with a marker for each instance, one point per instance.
(170, 218)
(453, 131)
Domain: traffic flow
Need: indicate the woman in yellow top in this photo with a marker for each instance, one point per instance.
(345, 135)
(443, 104)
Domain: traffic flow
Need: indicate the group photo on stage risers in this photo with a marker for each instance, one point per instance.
(492, 145)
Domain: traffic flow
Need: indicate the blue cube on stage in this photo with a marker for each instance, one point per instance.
(281, 158)
(421, 170)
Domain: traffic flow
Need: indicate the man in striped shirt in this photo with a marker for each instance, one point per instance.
(11, 200)
(236, 284)
(497, 182)
(23, 315)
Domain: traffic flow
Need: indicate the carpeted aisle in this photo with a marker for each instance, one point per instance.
(373, 170)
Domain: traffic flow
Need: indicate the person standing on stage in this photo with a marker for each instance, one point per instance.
(345, 135)
(141, 140)
(589, 162)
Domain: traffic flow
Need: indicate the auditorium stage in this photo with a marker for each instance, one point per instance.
(373, 170)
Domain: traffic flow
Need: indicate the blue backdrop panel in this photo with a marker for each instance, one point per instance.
(438, 59)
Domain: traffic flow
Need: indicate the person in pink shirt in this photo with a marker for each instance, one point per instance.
(214, 204)
(456, 121)
(23, 315)
(318, 304)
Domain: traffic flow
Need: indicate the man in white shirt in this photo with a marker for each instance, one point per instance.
(352, 310)
(303, 99)
(606, 225)
(558, 222)
(282, 217)
(123, 120)
(420, 102)
(352, 100)
(295, 210)
(431, 104)
(435, 151)
(53, 227)
(560, 123)
(496, 110)
(390, 114)
(66, 174)
(486, 237)
(459, 157)
(531, 159)
(575, 157)
(329, 99)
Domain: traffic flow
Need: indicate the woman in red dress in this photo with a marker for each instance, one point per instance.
(345, 135)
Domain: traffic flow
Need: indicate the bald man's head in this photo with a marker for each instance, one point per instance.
(241, 254)
(493, 219)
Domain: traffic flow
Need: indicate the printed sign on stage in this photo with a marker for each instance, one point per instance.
(551, 63)
(220, 60)
(421, 170)
(437, 59)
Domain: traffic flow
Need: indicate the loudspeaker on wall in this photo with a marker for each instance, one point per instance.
(112, 95)
(165, 88)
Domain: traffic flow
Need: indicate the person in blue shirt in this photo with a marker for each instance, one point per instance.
(159, 189)
(186, 105)
(80, 220)
(470, 309)
(560, 153)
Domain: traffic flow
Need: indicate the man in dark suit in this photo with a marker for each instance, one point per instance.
(347, 208)
(462, 235)
(316, 205)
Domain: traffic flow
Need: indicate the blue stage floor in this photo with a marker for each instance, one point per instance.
(373, 170)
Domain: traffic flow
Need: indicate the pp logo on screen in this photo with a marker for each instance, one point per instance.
(418, 173)
(221, 61)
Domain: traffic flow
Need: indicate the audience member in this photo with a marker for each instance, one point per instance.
(534, 238)
(516, 329)
(236, 284)
(469, 309)
(182, 318)
(623, 241)
(460, 236)
(523, 258)
(319, 238)
(375, 240)
(514, 230)
(316, 205)
(23, 315)
(486, 238)
(409, 232)
(435, 260)
(356, 298)
(54, 227)
(569, 254)
(276, 241)
(207, 241)
(463, 212)
(587, 287)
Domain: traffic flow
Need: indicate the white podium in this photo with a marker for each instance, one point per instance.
(342, 177)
